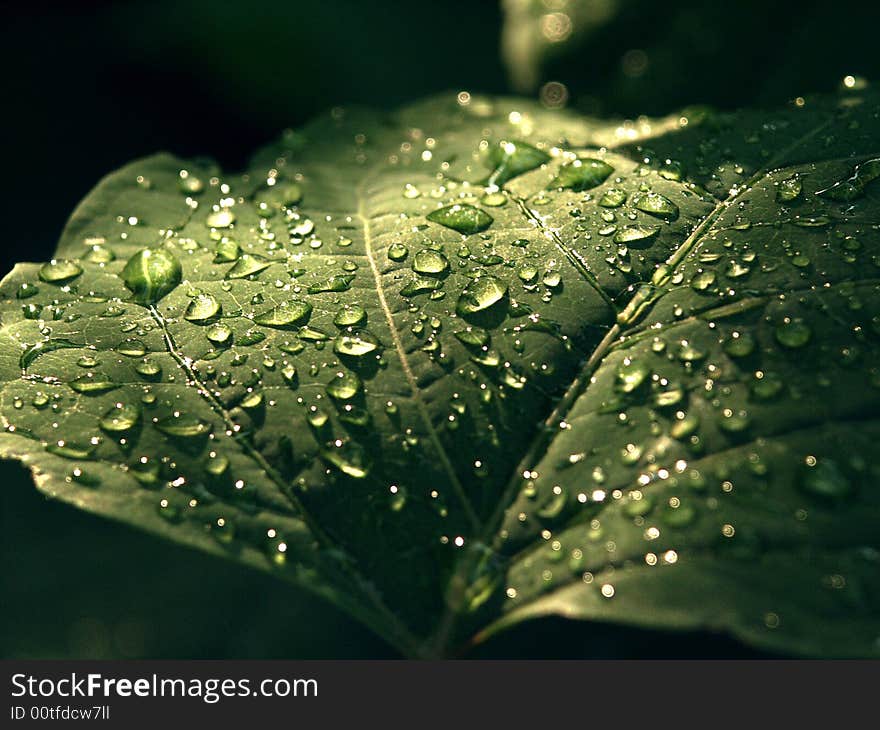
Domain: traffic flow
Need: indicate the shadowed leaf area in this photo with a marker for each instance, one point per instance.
(476, 361)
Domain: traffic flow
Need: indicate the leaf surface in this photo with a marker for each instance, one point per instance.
(476, 361)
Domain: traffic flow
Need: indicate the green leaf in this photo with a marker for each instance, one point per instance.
(629, 376)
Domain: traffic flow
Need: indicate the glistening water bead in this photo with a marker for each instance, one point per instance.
(151, 274)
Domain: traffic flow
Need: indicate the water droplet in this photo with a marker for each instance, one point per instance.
(100, 255)
(344, 386)
(288, 372)
(420, 285)
(312, 334)
(429, 261)
(552, 278)
(70, 450)
(739, 344)
(481, 294)
(150, 274)
(226, 251)
(189, 183)
(122, 417)
(356, 343)
(657, 205)
(251, 337)
(789, 189)
(767, 385)
(793, 333)
(41, 348)
(582, 174)
(494, 200)
(60, 271)
(248, 264)
(636, 236)
(613, 198)
(335, 283)
(473, 337)
(703, 280)
(219, 335)
(220, 218)
(631, 374)
(734, 421)
(462, 217)
(509, 159)
(397, 252)
(148, 369)
(347, 456)
(216, 464)
(180, 425)
(202, 309)
(350, 315)
(93, 384)
(132, 347)
(285, 315)
(26, 291)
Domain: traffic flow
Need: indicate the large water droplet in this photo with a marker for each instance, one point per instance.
(350, 315)
(335, 283)
(287, 314)
(226, 251)
(481, 294)
(509, 159)
(180, 425)
(657, 205)
(202, 309)
(429, 261)
(789, 189)
(121, 418)
(356, 343)
(248, 264)
(582, 174)
(462, 217)
(397, 252)
(347, 456)
(150, 274)
(630, 375)
(344, 386)
(420, 285)
(636, 236)
(613, 198)
(220, 218)
(93, 384)
(60, 271)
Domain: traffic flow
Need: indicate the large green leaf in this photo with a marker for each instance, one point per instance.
(476, 361)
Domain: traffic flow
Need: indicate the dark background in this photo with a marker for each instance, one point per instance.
(89, 86)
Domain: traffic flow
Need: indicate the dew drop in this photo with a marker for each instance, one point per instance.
(582, 174)
(429, 261)
(121, 418)
(461, 217)
(291, 313)
(151, 274)
(60, 271)
(481, 294)
(202, 309)
(656, 205)
(356, 343)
